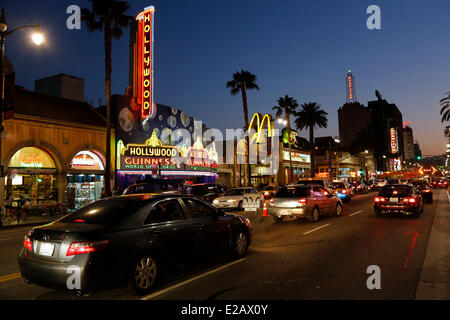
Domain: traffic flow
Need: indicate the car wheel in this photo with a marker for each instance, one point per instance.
(240, 244)
(338, 211)
(315, 215)
(145, 274)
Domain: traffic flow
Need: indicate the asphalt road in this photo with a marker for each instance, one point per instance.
(290, 260)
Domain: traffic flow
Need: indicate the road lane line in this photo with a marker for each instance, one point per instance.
(359, 211)
(10, 277)
(150, 296)
(316, 228)
(411, 246)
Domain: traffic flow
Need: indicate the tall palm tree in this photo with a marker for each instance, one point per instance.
(445, 110)
(243, 81)
(310, 117)
(288, 106)
(110, 17)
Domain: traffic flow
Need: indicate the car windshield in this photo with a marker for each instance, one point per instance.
(234, 192)
(400, 191)
(319, 182)
(106, 211)
(337, 185)
(293, 192)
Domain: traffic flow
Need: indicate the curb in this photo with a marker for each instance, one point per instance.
(434, 281)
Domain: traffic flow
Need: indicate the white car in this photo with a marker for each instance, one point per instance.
(381, 183)
(234, 198)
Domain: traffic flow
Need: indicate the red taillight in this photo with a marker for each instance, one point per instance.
(379, 199)
(409, 200)
(302, 201)
(86, 247)
(271, 201)
(27, 243)
(395, 192)
(426, 190)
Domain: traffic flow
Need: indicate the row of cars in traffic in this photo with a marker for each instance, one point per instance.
(134, 238)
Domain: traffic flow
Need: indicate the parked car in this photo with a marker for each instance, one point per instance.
(118, 240)
(425, 189)
(398, 199)
(234, 198)
(342, 190)
(208, 191)
(304, 201)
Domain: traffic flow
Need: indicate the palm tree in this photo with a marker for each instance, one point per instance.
(445, 110)
(107, 16)
(311, 117)
(243, 81)
(288, 106)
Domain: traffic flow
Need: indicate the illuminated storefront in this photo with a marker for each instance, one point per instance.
(85, 179)
(31, 174)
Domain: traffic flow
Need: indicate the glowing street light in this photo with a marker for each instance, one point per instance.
(37, 38)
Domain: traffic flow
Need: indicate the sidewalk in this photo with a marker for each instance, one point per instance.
(29, 221)
(434, 283)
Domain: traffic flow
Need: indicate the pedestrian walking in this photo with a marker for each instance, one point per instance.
(9, 206)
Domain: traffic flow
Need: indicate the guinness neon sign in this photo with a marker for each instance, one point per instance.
(145, 62)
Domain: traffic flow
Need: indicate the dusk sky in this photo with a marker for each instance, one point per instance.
(294, 47)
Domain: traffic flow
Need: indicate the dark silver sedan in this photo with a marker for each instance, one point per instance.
(304, 201)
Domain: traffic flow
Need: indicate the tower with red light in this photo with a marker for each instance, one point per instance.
(350, 87)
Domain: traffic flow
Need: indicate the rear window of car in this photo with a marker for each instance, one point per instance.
(393, 181)
(319, 182)
(105, 211)
(293, 192)
(139, 188)
(388, 191)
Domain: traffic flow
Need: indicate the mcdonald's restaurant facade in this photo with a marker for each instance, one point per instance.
(53, 150)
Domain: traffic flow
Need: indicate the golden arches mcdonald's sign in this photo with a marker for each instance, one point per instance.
(260, 126)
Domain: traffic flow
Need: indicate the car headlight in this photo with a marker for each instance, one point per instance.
(216, 201)
(231, 200)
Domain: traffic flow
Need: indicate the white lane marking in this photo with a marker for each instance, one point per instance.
(150, 296)
(359, 211)
(316, 228)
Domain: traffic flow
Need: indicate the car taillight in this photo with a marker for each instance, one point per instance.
(409, 200)
(27, 243)
(426, 190)
(86, 247)
(302, 201)
(379, 199)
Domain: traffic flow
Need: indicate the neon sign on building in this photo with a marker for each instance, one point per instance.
(145, 62)
(394, 141)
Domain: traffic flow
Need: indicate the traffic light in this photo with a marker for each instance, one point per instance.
(419, 158)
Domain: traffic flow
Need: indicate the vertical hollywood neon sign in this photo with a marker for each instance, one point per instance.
(145, 47)
(394, 141)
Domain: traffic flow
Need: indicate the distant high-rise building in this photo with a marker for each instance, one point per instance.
(408, 143)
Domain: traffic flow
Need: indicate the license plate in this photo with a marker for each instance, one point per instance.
(393, 199)
(286, 212)
(46, 249)
(249, 209)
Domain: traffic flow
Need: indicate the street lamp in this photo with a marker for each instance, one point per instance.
(37, 38)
